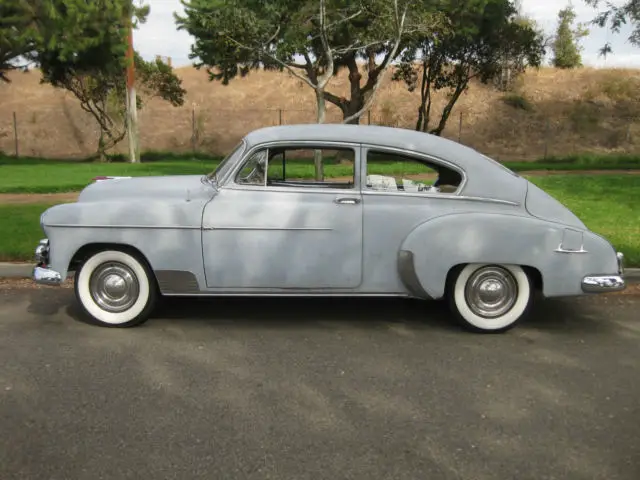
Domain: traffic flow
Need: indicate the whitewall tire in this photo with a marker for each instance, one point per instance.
(115, 289)
(490, 298)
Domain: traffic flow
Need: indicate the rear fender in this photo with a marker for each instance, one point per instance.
(439, 244)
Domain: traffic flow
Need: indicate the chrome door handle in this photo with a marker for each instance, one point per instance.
(347, 200)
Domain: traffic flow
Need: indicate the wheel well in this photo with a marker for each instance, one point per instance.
(532, 272)
(90, 249)
(535, 276)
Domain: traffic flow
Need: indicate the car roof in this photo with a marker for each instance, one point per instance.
(393, 137)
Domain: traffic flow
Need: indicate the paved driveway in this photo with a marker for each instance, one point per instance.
(318, 389)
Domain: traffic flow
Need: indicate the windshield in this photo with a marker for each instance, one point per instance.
(226, 163)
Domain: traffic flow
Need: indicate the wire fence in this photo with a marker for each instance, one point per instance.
(65, 131)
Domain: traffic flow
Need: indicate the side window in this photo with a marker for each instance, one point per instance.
(393, 172)
(253, 171)
(296, 167)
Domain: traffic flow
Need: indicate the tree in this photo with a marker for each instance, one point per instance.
(615, 16)
(16, 38)
(312, 39)
(96, 77)
(30, 27)
(482, 33)
(514, 63)
(566, 51)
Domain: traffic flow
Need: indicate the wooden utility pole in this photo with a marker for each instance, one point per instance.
(132, 107)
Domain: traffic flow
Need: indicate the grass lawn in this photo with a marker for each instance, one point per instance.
(608, 204)
(20, 231)
(34, 175)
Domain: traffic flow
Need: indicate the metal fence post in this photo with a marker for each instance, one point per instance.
(15, 134)
(194, 128)
(369, 116)
(280, 116)
(628, 136)
(546, 140)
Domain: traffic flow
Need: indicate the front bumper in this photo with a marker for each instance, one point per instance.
(606, 283)
(42, 274)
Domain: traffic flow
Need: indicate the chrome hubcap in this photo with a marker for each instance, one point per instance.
(491, 291)
(114, 287)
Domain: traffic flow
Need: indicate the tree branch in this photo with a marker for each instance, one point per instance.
(275, 59)
(335, 99)
(381, 70)
(324, 78)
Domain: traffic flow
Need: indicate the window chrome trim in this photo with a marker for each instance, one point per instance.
(328, 144)
(412, 153)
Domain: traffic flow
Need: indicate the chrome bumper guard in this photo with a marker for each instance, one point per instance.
(606, 283)
(42, 274)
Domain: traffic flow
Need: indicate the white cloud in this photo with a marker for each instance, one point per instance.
(159, 36)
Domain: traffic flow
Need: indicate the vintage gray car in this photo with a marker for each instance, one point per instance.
(327, 210)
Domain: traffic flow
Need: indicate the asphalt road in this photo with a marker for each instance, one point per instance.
(317, 389)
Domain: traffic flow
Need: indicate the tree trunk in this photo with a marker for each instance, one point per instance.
(356, 99)
(317, 154)
(425, 94)
(353, 106)
(448, 108)
(102, 151)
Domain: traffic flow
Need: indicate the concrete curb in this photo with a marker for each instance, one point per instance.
(23, 270)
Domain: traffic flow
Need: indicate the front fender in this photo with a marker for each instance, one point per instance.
(167, 233)
(563, 255)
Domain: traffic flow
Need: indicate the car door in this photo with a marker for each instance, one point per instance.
(272, 233)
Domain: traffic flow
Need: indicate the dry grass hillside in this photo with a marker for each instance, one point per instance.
(552, 111)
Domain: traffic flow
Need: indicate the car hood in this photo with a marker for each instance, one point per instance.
(160, 187)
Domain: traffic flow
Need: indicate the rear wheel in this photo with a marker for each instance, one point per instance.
(490, 298)
(115, 289)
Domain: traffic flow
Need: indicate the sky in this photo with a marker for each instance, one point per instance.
(159, 35)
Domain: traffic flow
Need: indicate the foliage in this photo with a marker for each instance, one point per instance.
(566, 51)
(96, 77)
(518, 102)
(481, 33)
(16, 38)
(615, 16)
(64, 27)
(312, 40)
(513, 63)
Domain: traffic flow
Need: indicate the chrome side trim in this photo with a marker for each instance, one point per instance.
(312, 229)
(602, 283)
(443, 196)
(46, 276)
(559, 249)
(280, 293)
(148, 227)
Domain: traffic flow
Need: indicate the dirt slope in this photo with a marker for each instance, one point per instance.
(559, 112)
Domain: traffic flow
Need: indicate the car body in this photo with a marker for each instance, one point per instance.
(490, 236)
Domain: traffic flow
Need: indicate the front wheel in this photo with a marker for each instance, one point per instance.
(490, 298)
(115, 289)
